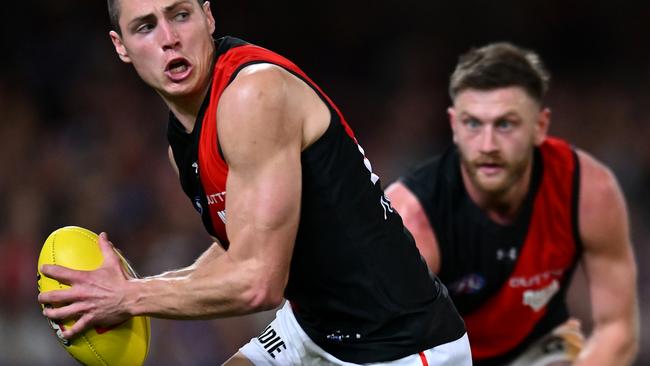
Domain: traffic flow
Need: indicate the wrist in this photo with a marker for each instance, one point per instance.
(133, 297)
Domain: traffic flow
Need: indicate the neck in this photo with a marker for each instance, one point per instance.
(186, 109)
(501, 207)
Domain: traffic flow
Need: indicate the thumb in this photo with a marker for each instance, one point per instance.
(113, 257)
(107, 249)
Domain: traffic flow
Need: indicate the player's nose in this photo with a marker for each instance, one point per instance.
(169, 36)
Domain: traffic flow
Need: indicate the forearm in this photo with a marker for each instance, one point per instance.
(218, 290)
(613, 344)
(214, 251)
(182, 272)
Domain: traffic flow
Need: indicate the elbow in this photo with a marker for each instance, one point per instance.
(621, 340)
(262, 298)
(628, 351)
(264, 292)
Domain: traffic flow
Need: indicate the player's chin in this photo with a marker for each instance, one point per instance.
(185, 87)
(177, 90)
(491, 184)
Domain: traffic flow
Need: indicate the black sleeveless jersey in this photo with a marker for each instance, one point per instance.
(508, 281)
(357, 283)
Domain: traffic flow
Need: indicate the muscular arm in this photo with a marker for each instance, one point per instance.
(415, 219)
(263, 116)
(609, 267)
(261, 141)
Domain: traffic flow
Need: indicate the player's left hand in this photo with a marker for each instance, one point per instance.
(95, 298)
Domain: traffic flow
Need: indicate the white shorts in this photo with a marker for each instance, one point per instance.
(285, 343)
(558, 348)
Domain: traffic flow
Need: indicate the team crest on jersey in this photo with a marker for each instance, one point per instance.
(469, 284)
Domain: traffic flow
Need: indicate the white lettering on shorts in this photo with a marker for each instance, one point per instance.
(271, 341)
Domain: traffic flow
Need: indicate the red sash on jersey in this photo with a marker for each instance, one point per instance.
(545, 258)
(213, 170)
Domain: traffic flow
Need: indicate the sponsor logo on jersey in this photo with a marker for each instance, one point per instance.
(469, 284)
(535, 280)
(216, 198)
(222, 216)
(537, 299)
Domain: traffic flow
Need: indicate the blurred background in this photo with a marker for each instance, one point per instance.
(83, 139)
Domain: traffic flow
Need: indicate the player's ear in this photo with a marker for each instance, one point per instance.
(119, 46)
(541, 126)
(451, 112)
(208, 14)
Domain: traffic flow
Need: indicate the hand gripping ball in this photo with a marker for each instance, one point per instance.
(123, 344)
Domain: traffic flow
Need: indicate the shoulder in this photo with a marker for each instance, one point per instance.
(596, 179)
(258, 113)
(603, 217)
(260, 97)
(264, 83)
(266, 97)
(403, 199)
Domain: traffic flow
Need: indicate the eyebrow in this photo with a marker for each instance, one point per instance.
(465, 114)
(171, 7)
(166, 9)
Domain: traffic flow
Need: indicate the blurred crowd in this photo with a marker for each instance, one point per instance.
(84, 141)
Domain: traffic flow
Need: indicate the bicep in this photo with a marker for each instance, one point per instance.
(264, 205)
(261, 142)
(416, 221)
(608, 256)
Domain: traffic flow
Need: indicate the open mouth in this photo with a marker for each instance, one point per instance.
(178, 66)
(178, 69)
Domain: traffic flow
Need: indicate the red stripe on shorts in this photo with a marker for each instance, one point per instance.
(424, 359)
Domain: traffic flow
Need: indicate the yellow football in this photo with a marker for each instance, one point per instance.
(124, 344)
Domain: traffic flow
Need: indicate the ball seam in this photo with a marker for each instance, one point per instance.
(92, 348)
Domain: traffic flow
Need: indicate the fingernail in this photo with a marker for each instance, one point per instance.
(103, 235)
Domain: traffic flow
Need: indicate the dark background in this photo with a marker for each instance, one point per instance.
(83, 139)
